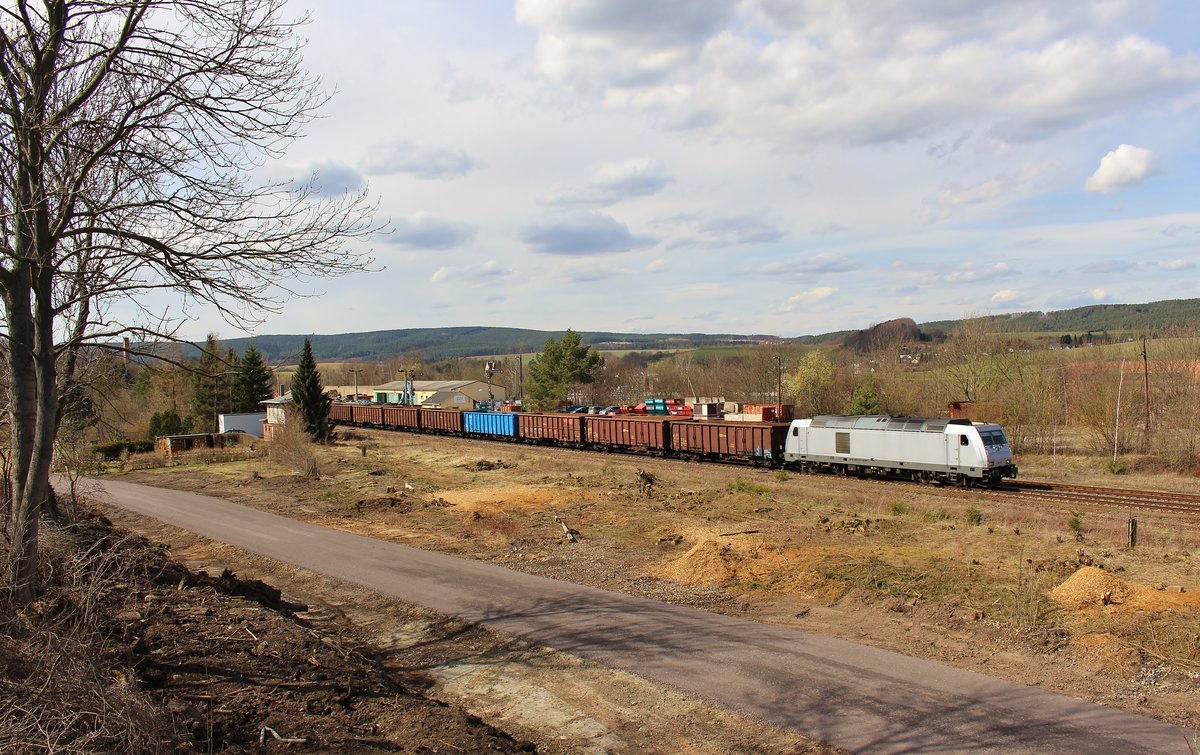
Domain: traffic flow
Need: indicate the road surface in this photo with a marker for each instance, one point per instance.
(859, 698)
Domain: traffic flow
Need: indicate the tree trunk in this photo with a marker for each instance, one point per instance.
(22, 407)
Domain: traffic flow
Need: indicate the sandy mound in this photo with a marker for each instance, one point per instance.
(505, 498)
(1091, 587)
(749, 562)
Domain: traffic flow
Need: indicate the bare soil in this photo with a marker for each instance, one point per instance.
(895, 565)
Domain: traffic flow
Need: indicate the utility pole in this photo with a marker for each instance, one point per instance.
(1146, 381)
(356, 374)
(779, 381)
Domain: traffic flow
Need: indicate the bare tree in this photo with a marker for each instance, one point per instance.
(128, 129)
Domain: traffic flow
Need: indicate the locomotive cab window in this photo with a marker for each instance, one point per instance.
(796, 432)
(964, 440)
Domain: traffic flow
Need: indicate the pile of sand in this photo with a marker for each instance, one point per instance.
(503, 498)
(749, 562)
(1092, 587)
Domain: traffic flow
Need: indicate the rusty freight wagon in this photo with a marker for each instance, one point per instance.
(627, 433)
(340, 413)
(402, 417)
(442, 421)
(755, 442)
(366, 414)
(551, 428)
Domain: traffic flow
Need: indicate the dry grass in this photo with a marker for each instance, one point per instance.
(61, 688)
(293, 449)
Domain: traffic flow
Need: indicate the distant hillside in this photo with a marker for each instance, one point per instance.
(1155, 316)
(443, 343)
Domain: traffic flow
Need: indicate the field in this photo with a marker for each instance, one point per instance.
(1037, 595)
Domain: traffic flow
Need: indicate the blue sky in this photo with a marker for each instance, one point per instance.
(767, 166)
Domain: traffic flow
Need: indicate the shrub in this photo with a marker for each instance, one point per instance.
(742, 486)
(782, 475)
(1075, 523)
(292, 447)
(115, 449)
(899, 508)
(973, 516)
(1115, 467)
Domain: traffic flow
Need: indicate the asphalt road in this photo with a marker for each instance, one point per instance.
(856, 697)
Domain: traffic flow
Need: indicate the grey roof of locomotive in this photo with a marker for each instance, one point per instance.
(884, 422)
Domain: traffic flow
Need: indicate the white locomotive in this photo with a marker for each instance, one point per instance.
(916, 448)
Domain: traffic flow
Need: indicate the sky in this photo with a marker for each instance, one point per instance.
(788, 167)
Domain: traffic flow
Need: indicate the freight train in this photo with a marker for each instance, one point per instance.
(955, 451)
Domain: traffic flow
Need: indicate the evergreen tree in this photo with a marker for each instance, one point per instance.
(309, 395)
(206, 387)
(252, 384)
(166, 422)
(562, 365)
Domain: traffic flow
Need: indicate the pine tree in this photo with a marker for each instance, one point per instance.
(205, 387)
(252, 384)
(561, 366)
(309, 395)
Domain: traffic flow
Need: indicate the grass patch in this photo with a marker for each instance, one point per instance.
(742, 486)
(973, 516)
(935, 515)
(899, 508)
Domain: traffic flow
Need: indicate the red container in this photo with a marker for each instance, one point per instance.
(403, 417)
(556, 428)
(441, 421)
(365, 414)
(627, 432)
(339, 413)
(745, 441)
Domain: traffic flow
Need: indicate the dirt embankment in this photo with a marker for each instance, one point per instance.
(965, 579)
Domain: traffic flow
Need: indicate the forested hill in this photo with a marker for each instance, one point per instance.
(1156, 317)
(442, 343)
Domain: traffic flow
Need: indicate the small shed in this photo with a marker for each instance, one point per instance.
(250, 423)
(174, 444)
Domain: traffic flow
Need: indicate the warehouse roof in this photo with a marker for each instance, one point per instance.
(426, 385)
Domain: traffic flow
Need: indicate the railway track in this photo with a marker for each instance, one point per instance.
(1150, 500)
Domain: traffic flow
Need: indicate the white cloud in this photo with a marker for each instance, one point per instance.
(1177, 264)
(428, 164)
(329, 179)
(1005, 295)
(583, 234)
(423, 231)
(814, 264)
(612, 182)
(999, 189)
(856, 73)
(1123, 168)
(805, 299)
(473, 275)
